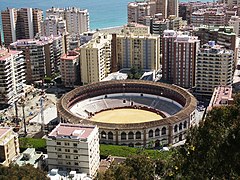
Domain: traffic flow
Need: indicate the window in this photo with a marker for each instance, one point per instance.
(180, 126)
(66, 144)
(75, 157)
(67, 150)
(138, 135)
(75, 144)
(123, 136)
(130, 135)
(110, 135)
(60, 156)
(150, 133)
(67, 157)
(59, 149)
(68, 163)
(185, 124)
(157, 132)
(76, 163)
(103, 135)
(175, 128)
(75, 151)
(58, 143)
(164, 131)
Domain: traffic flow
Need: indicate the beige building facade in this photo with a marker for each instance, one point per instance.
(95, 59)
(9, 146)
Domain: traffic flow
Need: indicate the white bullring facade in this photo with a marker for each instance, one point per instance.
(174, 106)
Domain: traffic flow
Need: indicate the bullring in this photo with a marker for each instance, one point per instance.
(173, 108)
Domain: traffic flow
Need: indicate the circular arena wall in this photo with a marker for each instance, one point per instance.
(163, 131)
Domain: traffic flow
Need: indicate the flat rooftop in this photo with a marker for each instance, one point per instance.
(75, 131)
(4, 130)
(222, 95)
(5, 53)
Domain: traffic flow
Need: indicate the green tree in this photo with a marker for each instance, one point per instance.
(137, 167)
(211, 150)
(135, 73)
(26, 172)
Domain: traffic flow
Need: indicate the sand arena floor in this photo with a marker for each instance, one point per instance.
(126, 115)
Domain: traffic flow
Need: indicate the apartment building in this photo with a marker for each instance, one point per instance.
(158, 26)
(9, 20)
(132, 50)
(186, 9)
(77, 20)
(21, 23)
(53, 25)
(58, 43)
(42, 56)
(223, 35)
(175, 23)
(37, 18)
(138, 11)
(69, 68)
(222, 96)
(179, 54)
(74, 147)
(235, 23)
(9, 146)
(95, 59)
(162, 7)
(135, 28)
(12, 75)
(173, 7)
(215, 67)
(212, 16)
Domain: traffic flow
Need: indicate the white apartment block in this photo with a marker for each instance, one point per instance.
(58, 51)
(141, 51)
(77, 20)
(12, 75)
(235, 23)
(53, 25)
(74, 147)
(209, 16)
(137, 11)
(9, 146)
(95, 59)
(42, 56)
(68, 68)
(215, 67)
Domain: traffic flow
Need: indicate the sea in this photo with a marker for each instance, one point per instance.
(102, 13)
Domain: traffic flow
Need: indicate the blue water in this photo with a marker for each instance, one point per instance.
(103, 13)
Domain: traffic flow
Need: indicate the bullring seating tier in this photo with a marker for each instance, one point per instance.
(120, 100)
